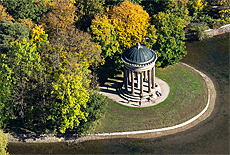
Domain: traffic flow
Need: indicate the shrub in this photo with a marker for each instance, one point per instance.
(218, 23)
(199, 30)
(96, 107)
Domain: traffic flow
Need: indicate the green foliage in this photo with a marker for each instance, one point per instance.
(3, 143)
(11, 31)
(96, 108)
(21, 9)
(218, 23)
(86, 10)
(196, 7)
(170, 47)
(80, 43)
(17, 68)
(199, 30)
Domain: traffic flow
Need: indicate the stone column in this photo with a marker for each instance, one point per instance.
(125, 78)
(153, 77)
(149, 81)
(128, 73)
(145, 76)
(138, 81)
(132, 82)
(141, 82)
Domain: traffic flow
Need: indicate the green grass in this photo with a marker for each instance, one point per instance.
(188, 97)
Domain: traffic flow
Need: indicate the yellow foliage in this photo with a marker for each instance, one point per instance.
(39, 35)
(131, 23)
(122, 27)
(71, 87)
(3, 143)
(28, 23)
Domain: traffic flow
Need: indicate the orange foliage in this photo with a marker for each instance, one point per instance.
(4, 14)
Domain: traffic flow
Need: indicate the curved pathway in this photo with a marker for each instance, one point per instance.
(168, 130)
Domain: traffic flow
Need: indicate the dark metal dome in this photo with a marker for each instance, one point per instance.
(139, 54)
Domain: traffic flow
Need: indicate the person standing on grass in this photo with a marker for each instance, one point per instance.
(128, 100)
(140, 103)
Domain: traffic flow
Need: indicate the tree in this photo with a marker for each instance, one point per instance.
(132, 24)
(3, 143)
(61, 16)
(96, 108)
(71, 92)
(17, 67)
(122, 27)
(28, 23)
(169, 47)
(105, 34)
(86, 10)
(11, 31)
(21, 9)
(79, 42)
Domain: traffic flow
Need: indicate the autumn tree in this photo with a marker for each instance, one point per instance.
(122, 27)
(225, 10)
(28, 23)
(71, 93)
(170, 47)
(61, 16)
(4, 14)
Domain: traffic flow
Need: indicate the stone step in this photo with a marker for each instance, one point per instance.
(133, 95)
(130, 97)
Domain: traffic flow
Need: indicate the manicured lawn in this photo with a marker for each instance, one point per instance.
(188, 97)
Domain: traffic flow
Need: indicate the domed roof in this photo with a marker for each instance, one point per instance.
(138, 54)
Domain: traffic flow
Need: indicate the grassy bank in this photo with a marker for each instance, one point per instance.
(188, 97)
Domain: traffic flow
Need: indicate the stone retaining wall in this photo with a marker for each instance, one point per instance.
(209, 32)
(40, 138)
(221, 30)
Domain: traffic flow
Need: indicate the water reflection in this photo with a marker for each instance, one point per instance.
(210, 136)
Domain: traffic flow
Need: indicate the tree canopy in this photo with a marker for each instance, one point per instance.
(11, 31)
(122, 27)
(170, 47)
(21, 9)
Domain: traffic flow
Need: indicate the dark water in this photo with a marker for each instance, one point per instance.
(211, 136)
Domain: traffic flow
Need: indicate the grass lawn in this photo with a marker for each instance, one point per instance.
(187, 98)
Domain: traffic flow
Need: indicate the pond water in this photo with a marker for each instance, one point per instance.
(211, 136)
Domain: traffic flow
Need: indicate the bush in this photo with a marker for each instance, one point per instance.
(199, 30)
(96, 107)
(218, 23)
(3, 143)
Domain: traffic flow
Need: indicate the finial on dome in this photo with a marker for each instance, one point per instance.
(138, 45)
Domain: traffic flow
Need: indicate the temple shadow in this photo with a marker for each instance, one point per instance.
(108, 91)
